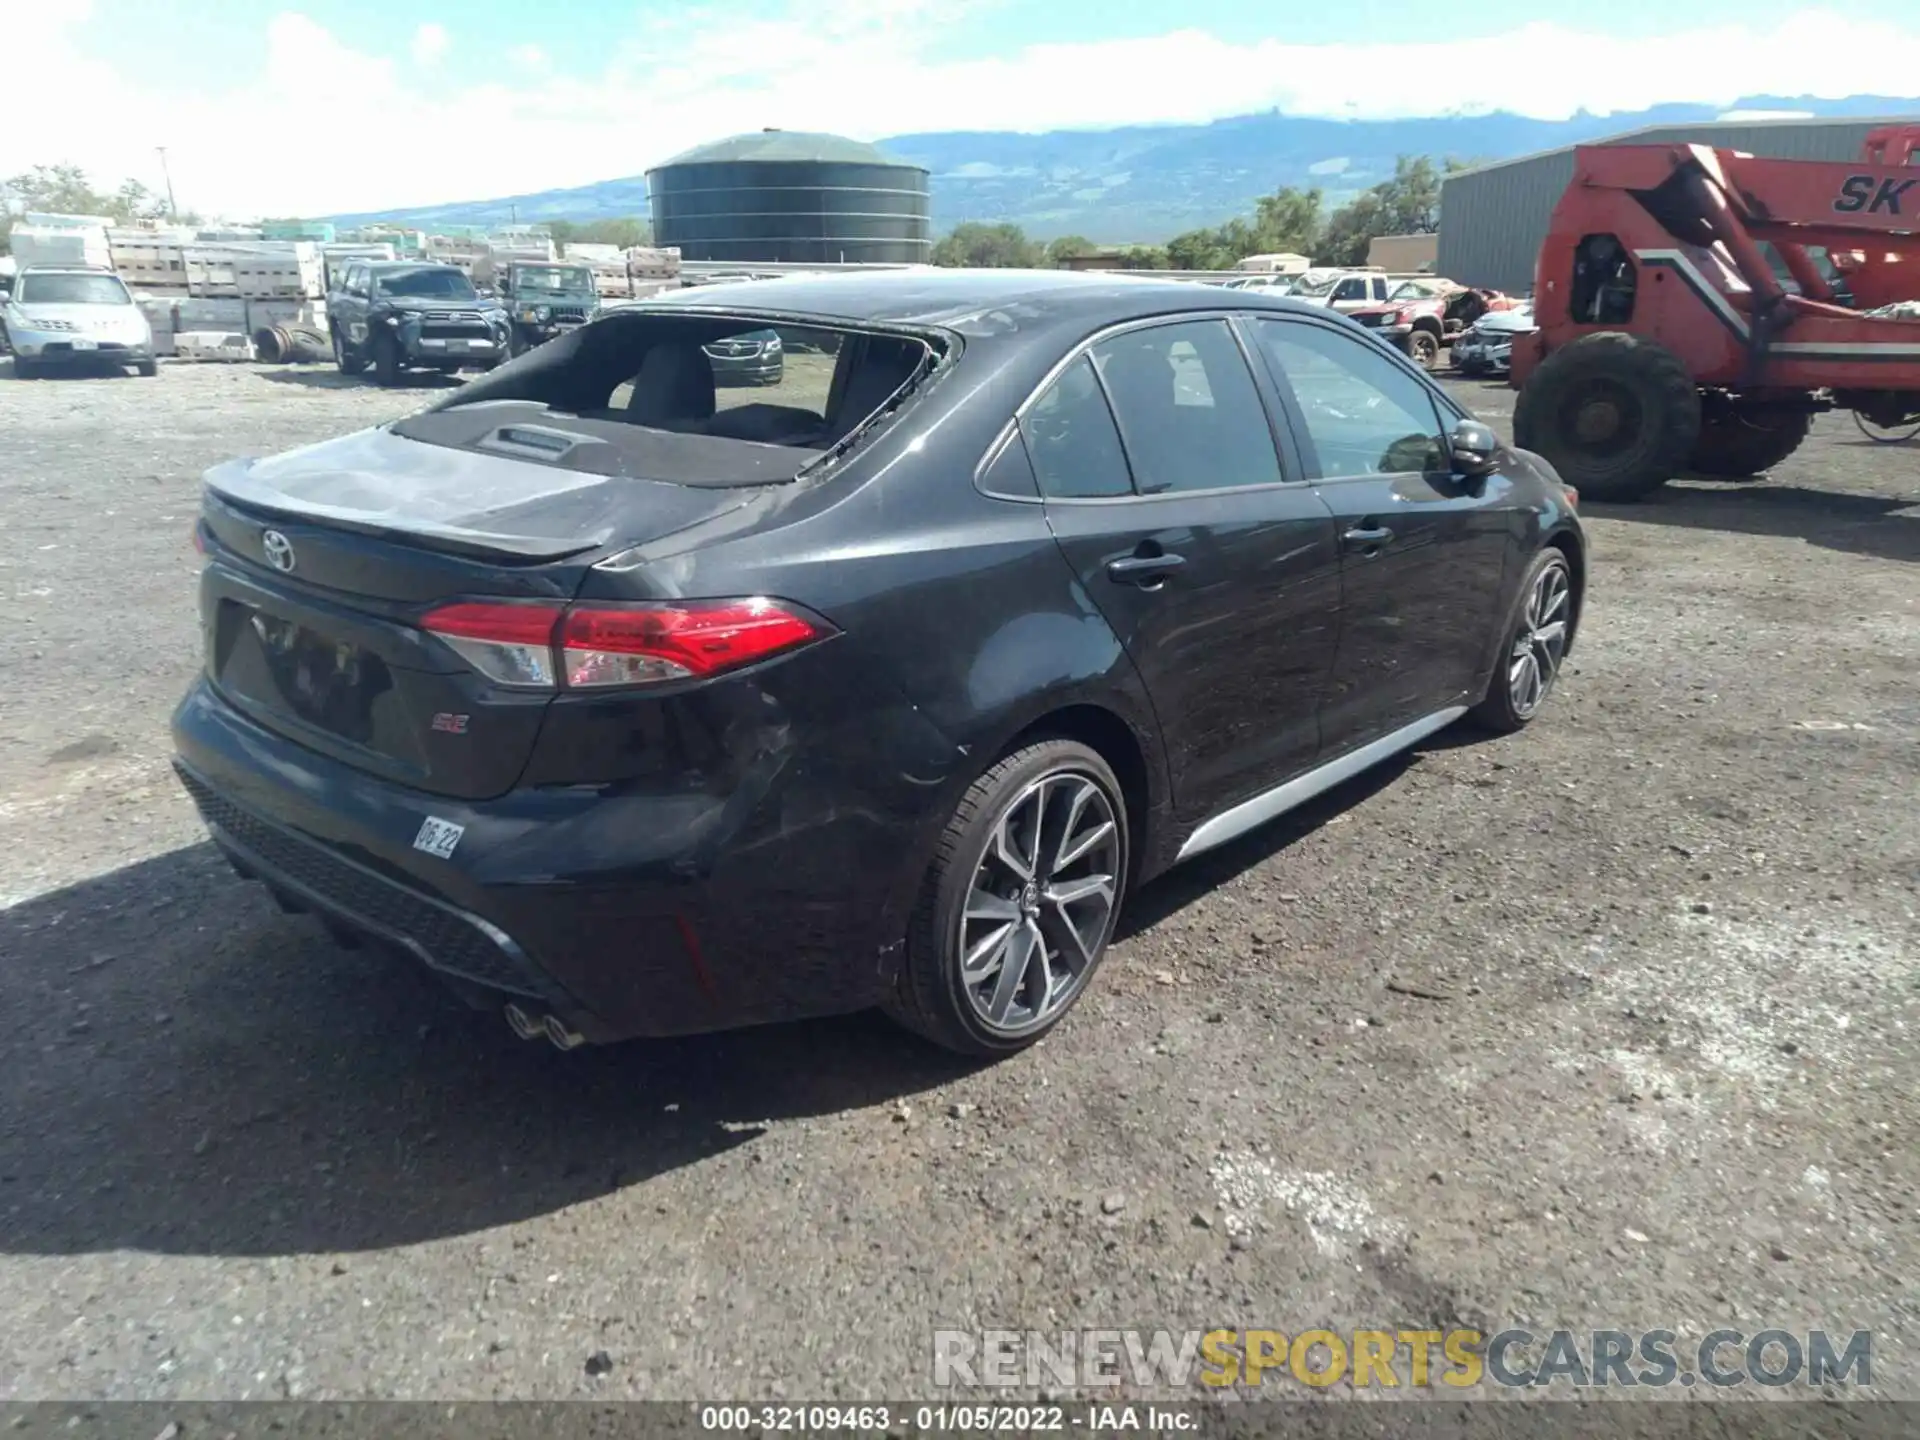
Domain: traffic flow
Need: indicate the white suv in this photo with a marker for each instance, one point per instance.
(73, 315)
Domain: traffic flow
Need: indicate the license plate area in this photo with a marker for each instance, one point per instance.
(321, 680)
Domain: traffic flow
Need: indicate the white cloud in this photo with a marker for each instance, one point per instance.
(429, 43)
(531, 56)
(867, 70)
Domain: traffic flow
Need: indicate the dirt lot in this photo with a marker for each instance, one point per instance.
(1673, 1078)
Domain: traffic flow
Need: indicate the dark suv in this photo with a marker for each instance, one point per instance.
(635, 707)
(403, 314)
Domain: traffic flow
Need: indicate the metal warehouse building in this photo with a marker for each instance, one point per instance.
(781, 196)
(1493, 219)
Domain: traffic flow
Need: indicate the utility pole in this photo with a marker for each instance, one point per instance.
(173, 211)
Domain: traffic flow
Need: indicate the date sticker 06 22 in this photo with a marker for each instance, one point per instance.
(438, 837)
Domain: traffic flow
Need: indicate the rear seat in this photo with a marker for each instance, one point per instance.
(673, 389)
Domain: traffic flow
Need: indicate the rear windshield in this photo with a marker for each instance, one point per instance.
(683, 395)
(71, 290)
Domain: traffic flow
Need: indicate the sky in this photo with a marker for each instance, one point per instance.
(329, 106)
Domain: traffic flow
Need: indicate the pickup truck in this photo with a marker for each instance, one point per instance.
(1342, 290)
(1422, 316)
(397, 315)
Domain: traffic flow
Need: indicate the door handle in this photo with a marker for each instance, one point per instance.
(1143, 570)
(1365, 537)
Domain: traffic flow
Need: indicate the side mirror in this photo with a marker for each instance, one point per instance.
(1476, 449)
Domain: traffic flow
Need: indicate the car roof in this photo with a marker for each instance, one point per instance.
(950, 297)
(410, 265)
(75, 268)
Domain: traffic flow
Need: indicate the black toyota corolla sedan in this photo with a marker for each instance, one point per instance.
(631, 708)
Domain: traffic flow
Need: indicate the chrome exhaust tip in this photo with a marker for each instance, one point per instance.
(562, 1037)
(523, 1024)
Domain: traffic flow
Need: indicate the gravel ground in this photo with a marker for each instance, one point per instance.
(1672, 1078)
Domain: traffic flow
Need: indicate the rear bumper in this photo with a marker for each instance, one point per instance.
(623, 914)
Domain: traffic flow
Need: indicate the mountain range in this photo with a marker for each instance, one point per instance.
(1145, 183)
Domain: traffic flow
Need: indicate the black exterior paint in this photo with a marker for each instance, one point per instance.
(448, 331)
(750, 848)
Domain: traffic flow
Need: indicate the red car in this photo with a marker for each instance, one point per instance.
(1421, 316)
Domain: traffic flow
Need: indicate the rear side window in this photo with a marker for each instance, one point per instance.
(1071, 440)
(1009, 474)
(1189, 414)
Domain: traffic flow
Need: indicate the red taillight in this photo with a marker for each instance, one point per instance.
(542, 646)
(509, 644)
(199, 538)
(679, 642)
(1573, 497)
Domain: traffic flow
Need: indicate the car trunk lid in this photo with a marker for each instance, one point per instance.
(323, 563)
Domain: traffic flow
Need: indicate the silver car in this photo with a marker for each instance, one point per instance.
(69, 316)
(1487, 348)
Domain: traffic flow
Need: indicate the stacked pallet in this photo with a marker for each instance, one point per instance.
(627, 274)
(183, 264)
(60, 245)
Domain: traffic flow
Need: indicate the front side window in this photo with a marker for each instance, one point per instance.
(1364, 414)
(1071, 440)
(425, 284)
(71, 290)
(1351, 290)
(1190, 416)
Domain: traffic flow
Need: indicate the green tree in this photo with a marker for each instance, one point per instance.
(1285, 222)
(997, 247)
(1067, 247)
(1350, 230)
(65, 190)
(623, 231)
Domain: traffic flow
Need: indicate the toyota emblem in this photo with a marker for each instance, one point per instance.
(279, 549)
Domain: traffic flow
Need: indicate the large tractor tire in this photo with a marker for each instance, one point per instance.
(1616, 415)
(1734, 444)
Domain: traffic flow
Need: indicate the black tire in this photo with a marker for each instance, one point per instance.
(1616, 415)
(929, 996)
(1500, 710)
(1423, 348)
(1886, 434)
(25, 369)
(1734, 445)
(386, 361)
(348, 361)
(147, 369)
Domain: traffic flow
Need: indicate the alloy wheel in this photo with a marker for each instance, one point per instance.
(1041, 904)
(1534, 662)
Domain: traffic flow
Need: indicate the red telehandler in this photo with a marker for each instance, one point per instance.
(1670, 342)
